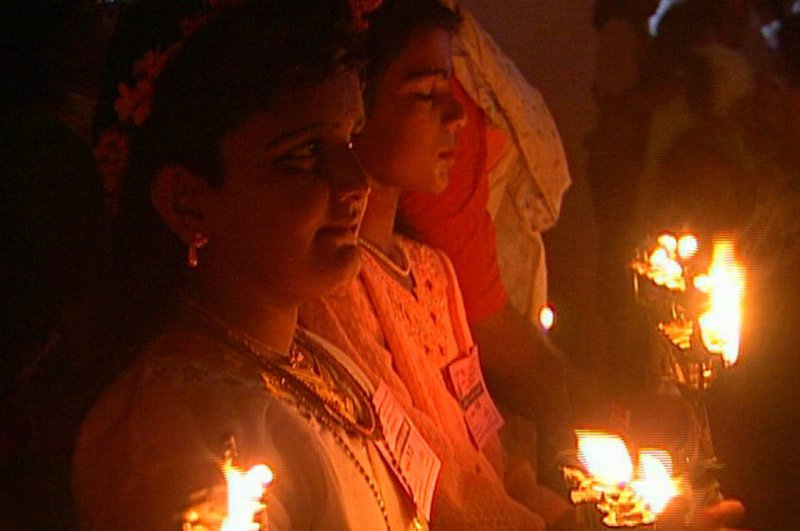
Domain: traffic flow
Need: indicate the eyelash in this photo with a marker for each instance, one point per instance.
(305, 153)
(300, 155)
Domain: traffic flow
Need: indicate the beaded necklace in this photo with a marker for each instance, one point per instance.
(403, 272)
(305, 374)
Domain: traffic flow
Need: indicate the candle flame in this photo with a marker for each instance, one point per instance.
(605, 457)
(720, 326)
(655, 484)
(547, 317)
(245, 496)
(665, 270)
(668, 241)
(687, 246)
(608, 482)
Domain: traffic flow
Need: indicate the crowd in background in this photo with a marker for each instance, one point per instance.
(698, 131)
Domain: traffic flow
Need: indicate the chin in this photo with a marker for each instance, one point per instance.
(338, 267)
(438, 183)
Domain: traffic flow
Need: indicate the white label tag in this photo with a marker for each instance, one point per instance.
(409, 456)
(482, 417)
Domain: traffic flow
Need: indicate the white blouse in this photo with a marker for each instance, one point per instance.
(155, 440)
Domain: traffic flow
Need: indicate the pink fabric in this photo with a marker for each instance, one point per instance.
(406, 339)
(457, 221)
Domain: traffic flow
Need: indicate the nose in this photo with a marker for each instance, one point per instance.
(349, 179)
(454, 116)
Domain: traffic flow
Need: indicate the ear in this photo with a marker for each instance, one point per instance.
(181, 198)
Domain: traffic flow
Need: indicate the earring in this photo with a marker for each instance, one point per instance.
(199, 240)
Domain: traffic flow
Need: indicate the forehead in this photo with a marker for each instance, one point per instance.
(338, 97)
(334, 105)
(427, 51)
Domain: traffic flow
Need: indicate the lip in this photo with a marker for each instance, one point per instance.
(341, 234)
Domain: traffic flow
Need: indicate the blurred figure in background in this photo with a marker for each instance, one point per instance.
(52, 222)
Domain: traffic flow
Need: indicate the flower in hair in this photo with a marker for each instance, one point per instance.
(111, 154)
(361, 8)
(133, 104)
(135, 100)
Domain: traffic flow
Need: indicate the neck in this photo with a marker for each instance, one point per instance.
(245, 308)
(378, 223)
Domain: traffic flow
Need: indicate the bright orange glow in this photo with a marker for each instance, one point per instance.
(547, 317)
(605, 457)
(720, 326)
(668, 241)
(687, 246)
(245, 494)
(608, 482)
(666, 271)
(654, 483)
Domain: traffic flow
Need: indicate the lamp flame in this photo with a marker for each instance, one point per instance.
(605, 457)
(655, 484)
(245, 496)
(609, 483)
(687, 246)
(720, 326)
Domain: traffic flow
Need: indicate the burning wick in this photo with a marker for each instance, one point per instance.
(720, 325)
(245, 496)
(547, 317)
(245, 508)
(687, 246)
(609, 483)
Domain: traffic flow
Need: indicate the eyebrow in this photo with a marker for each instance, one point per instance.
(424, 73)
(287, 136)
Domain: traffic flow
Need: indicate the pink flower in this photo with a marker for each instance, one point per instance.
(361, 8)
(134, 104)
(111, 153)
(151, 65)
(190, 25)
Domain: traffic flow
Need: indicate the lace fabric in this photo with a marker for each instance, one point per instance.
(405, 339)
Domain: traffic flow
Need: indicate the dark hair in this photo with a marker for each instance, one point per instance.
(238, 64)
(789, 40)
(605, 10)
(391, 26)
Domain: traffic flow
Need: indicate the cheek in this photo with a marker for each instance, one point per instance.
(296, 212)
(259, 221)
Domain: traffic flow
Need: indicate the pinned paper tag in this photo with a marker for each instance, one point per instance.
(406, 451)
(482, 417)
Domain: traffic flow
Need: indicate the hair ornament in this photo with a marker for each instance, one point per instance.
(134, 102)
(361, 8)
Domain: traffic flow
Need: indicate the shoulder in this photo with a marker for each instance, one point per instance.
(157, 437)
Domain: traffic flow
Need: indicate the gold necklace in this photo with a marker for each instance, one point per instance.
(307, 372)
(404, 271)
(306, 356)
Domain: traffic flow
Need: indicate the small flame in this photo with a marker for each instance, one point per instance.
(547, 317)
(245, 496)
(687, 246)
(665, 270)
(605, 457)
(655, 484)
(609, 484)
(720, 326)
(668, 241)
